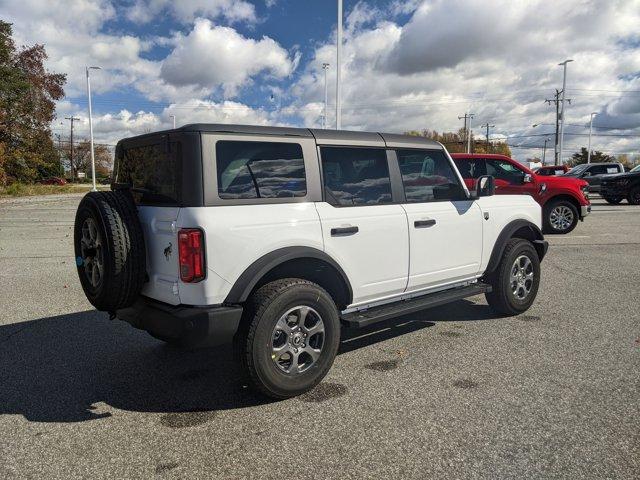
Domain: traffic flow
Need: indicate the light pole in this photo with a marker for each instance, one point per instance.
(93, 160)
(564, 91)
(325, 67)
(174, 121)
(338, 67)
(593, 114)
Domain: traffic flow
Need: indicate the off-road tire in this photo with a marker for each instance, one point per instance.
(549, 208)
(613, 200)
(123, 250)
(501, 298)
(254, 340)
(634, 196)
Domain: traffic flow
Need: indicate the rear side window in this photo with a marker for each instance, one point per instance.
(152, 172)
(470, 168)
(427, 175)
(260, 170)
(355, 176)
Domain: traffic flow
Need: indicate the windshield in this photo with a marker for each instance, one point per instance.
(578, 169)
(636, 168)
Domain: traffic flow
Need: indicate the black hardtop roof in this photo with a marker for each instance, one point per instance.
(331, 136)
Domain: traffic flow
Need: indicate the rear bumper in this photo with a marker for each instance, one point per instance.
(189, 326)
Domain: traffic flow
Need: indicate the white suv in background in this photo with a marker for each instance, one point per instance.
(275, 237)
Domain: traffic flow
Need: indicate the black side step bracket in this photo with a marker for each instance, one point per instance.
(364, 318)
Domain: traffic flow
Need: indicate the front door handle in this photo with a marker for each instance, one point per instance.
(343, 231)
(424, 223)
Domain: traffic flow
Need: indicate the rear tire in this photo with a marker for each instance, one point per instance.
(516, 280)
(613, 200)
(560, 216)
(634, 196)
(109, 249)
(289, 337)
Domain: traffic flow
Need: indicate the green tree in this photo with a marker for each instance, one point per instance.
(27, 107)
(596, 157)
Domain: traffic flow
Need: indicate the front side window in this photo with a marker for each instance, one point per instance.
(503, 170)
(470, 168)
(260, 170)
(355, 176)
(427, 175)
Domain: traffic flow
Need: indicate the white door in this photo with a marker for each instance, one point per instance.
(361, 229)
(445, 233)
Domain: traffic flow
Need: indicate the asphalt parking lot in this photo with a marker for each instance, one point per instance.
(453, 392)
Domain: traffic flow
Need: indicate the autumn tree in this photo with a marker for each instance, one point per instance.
(27, 107)
(456, 142)
(596, 157)
(82, 158)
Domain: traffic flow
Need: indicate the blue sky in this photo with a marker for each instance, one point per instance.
(408, 64)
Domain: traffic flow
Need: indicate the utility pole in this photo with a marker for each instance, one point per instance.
(593, 114)
(174, 120)
(544, 150)
(93, 159)
(325, 67)
(73, 168)
(564, 90)
(556, 100)
(487, 126)
(467, 128)
(338, 67)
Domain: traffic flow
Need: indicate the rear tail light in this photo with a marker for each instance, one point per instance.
(191, 255)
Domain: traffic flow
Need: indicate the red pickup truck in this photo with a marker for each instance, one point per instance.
(564, 200)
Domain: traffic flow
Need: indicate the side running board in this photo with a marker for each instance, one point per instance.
(373, 315)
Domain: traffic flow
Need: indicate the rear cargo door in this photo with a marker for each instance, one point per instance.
(151, 168)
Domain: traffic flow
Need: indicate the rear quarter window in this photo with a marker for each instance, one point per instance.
(152, 172)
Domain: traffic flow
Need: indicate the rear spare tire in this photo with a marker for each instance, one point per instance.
(109, 249)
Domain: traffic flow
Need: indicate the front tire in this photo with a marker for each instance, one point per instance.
(560, 216)
(516, 280)
(634, 196)
(289, 337)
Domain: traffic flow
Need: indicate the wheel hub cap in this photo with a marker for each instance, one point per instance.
(522, 276)
(92, 255)
(561, 217)
(297, 340)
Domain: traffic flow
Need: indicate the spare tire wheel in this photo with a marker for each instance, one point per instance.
(109, 249)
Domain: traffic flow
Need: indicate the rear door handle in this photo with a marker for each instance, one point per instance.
(343, 231)
(424, 223)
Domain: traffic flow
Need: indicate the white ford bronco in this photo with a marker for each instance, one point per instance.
(274, 238)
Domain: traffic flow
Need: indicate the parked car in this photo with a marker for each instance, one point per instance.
(615, 188)
(53, 181)
(274, 237)
(549, 170)
(594, 173)
(564, 200)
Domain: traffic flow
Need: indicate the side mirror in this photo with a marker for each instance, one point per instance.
(586, 174)
(528, 178)
(485, 186)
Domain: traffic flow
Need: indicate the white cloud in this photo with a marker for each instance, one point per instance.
(185, 11)
(211, 56)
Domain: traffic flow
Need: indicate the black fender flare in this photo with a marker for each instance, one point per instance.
(254, 272)
(533, 234)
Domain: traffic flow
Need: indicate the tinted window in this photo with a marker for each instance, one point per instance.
(503, 170)
(260, 170)
(152, 171)
(355, 176)
(471, 168)
(427, 175)
(600, 169)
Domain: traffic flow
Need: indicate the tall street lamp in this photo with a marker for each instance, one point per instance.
(593, 114)
(174, 120)
(338, 67)
(93, 160)
(564, 91)
(325, 67)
